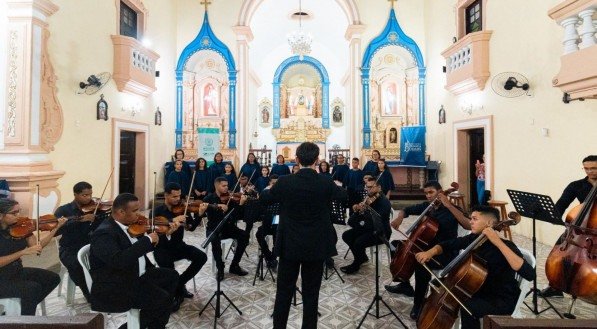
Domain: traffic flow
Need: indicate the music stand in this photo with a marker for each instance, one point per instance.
(218, 293)
(379, 232)
(537, 207)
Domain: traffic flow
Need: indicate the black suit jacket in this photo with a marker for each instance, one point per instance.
(115, 267)
(305, 232)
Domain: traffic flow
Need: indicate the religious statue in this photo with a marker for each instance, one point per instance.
(264, 115)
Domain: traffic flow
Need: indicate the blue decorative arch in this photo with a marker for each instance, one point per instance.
(325, 89)
(207, 40)
(392, 35)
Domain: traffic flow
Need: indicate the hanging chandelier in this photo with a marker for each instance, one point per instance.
(299, 41)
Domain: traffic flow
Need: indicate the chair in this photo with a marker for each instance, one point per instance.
(133, 315)
(226, 246)
(12, 306)
(70, 284)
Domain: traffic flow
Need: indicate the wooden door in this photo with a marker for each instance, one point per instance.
(126, 180)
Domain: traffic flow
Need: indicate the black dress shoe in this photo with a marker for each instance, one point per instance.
(415, 312)
(123, 326)
(236, 269)
(184, 293)
(351, 269)
(402, 288)
(176, 303)
(551, 292)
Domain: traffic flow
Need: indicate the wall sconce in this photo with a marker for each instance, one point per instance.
(134, 109)
(470, 108)
(158, 117)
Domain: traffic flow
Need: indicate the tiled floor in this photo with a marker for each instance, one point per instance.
(342, 305)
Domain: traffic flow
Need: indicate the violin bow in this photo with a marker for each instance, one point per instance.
(416, 245)
(104, 191)
(235, 186)
(448, 290)
(153, 200)
(186, 207)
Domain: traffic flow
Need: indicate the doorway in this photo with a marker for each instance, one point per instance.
(130, 151)
(473, 138)
(126, 179)
(476, 151)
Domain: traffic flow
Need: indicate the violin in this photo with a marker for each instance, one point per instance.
(228, 197)
(24, 227)
(193, 206)
(419, 237)
(160, 225)
(101, 206)
(572, 263)
(462, 278)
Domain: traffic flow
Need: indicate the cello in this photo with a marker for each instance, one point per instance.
(463, 277)
(572, 263)
(419, 236)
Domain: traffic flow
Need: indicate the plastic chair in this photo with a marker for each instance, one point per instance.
(524, 285)
(226, 245)
(70, 284)
(12, 306)
(133, 319)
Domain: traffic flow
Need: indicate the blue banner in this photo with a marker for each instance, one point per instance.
(412, 146)
(209, 143)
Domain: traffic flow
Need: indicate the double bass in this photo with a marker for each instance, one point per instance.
(462, 278)
(572, 263)
(419, 236)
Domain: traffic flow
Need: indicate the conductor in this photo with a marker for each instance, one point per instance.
(306, 236)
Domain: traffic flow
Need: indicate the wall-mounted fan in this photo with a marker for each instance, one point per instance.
(510, 84)
(94, 83)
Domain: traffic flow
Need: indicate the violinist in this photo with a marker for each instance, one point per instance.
(214, 216)
(353, 181)
(75, 233)
(252, 207)
(578, 190)
(31, 285)
(172, 248)
(362, 234)
(499, 293)
(123, 276)
(268, 227)
(449, 217)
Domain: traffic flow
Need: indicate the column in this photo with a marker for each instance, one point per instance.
(244, 35)
(570, 35)
(33, 114)
(352, 113)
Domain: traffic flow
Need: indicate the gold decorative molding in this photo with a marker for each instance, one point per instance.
(11, 116)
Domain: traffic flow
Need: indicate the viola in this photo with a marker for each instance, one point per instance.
(461, 279)
(160, 225)
(572, 263)
(419, 237)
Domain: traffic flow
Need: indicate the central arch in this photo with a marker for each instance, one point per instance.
(248, 8)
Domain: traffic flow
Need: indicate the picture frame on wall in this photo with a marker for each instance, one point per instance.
(158, 117)
(102, 109)
(390, 98)
(337, 113)
(265, 113)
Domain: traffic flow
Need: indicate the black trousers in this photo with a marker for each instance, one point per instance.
(229, 232)
(31, 285)
(155, 298)
(165, 257)
(262, 232)
(358, 240)
(484, 305)
(311, 273)
(68, 258)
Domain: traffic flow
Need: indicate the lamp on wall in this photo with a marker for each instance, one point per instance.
(133, 109)
(299, 41)
(442, 115)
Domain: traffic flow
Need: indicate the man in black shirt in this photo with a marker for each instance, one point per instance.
(75, 232)
(449, 217)
(172, 248)
(362, 234)
(499, 292)
(578, 190)
(268, 227)
(214, 215)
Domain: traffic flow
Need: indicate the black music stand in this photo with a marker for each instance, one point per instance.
(537, 207)
(379, 232)
(218, 293)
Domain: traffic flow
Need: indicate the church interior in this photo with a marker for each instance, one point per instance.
(106, 91)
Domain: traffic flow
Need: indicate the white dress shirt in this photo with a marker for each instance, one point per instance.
(133, 240)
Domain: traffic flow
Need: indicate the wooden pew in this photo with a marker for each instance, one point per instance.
(506, 322)
(81, 321)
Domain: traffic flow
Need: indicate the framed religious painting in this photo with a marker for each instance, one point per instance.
(337, 109)
(390, 98)
(102, 109)
(265, 113)
(210, 98)
(158, 117)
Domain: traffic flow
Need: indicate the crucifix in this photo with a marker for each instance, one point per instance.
(206, 3)
(392, 1)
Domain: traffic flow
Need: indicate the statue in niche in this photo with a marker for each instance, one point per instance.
(390, 97)
(337, 114)
(210, 100)
(264, 115)
(393, 136)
